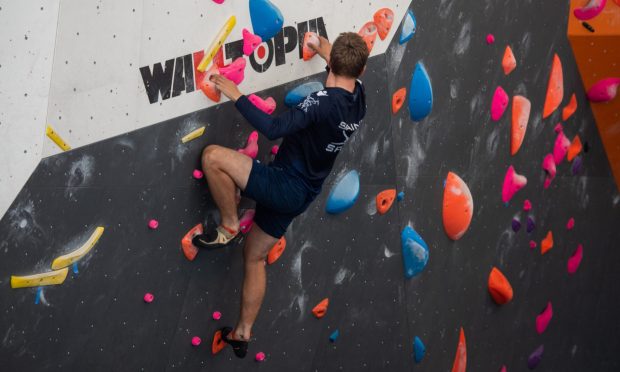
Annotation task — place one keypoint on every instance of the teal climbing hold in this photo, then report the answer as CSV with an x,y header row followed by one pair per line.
x,y
415,252
344,193
419,350
409,27
298,94
267,19
421,96
334,336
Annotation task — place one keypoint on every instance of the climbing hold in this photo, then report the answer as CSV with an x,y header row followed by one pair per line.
x,y
368,32
251,147
458,207
320,309
246,221
69,258
235,71
490,39
534,359
384,18
549,167
217,44
259,357
513,182
398,99
575,260
400,196
51,134
275,149
420,94
415,252
384,200
153,224
268,106
531,225
250,42
604,90
460,358
576,168
543,319
344,193
509,63
189,250
38,280
499,103
555,88
334,336
197,174
276,251
193,135
527,205
520,116
547,243
503,369
570,224
409,27
590,10
218,1
560,149
516,225
419,350
575,148
217,315
148,298
267,20
559,128
208,87
308,51
218,343
569,109
533,244
196,341
298,94
499,287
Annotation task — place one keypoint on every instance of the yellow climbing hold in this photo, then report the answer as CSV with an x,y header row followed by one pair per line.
x,y
49,131
217,43
69,258
193,135
38,280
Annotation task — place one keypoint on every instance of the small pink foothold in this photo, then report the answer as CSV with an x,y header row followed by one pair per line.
x,y
148,298
543,319
246,221
570,224
250,42
275,149
196,340
575,260
251,148
558,128
499,103
604,90
268,105
533,244
260,357
549,167
527,205
490,39
503,369
197,174
153,224
513,182
218,1
217,315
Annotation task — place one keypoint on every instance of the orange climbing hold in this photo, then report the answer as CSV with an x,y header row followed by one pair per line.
x,y
307,51
575,148
499,287
321,309
276,251
384,200
520,116
398,99
569,109
218,343
189,250
460,359
383,19
208,87
555,88
458,207
368,32
547,243
509,63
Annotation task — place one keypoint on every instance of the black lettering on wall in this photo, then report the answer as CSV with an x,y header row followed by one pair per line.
x,y
263,67
321,26
159,82
234,50
178,86
281,47
188,64
312,26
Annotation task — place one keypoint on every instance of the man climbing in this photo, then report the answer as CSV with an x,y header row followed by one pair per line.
x,y
313,134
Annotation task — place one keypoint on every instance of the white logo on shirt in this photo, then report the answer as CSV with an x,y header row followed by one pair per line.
x,y
309,101
321,93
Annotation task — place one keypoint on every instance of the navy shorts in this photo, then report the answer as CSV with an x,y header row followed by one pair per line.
x,y
280,197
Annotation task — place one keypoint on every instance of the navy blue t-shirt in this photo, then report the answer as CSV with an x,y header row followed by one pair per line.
x,y
314,131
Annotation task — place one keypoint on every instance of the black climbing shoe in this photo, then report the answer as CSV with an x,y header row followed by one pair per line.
x,y
216,238
240,348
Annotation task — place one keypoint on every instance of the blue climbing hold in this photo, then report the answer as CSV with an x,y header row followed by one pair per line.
x,y
409,27
267,19
421,96
37,297
334,336
418,349
344,193
415,252
400,196
298,94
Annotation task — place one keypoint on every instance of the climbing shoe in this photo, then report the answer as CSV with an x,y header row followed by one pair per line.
x,y
219,237
240,348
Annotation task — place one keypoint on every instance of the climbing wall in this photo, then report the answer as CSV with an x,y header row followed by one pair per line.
x,y
456,263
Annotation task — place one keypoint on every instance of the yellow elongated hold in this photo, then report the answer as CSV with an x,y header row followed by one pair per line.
x,y
49,131
69,258
38,280
193,135
217,43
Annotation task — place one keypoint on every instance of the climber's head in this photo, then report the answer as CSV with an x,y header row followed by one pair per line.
x,y
349,55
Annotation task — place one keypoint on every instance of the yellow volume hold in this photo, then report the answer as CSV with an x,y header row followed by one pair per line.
x,y
38,280
217,43
193,135
69,258
56,138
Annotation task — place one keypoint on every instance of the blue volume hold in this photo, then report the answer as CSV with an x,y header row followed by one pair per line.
x,y
344,193
334,336
419,350
409,27
298,94
415,252
421,96
267,19
400,196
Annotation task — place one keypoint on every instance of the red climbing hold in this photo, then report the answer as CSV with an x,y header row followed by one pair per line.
x,y
575,260
398,99
208,87
275,149
250,42
197,174
509,63
189,250
251,147
460,358
368,32
218,343
513,182
148,298
560,149
320,310
570,224
490,39
259,357
153,224
235,71
569,109
383,19
575,148
549,167
547,243
503,369
217,315
268,106
196,341
458,207
527,205
543,319
246,221
276,251
555,88
499,103
520,116
499,287
308,52
533,244
384,200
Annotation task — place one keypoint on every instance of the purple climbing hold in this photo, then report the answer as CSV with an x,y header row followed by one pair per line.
x,y
534,359
516,225
576,167
267,19
531,225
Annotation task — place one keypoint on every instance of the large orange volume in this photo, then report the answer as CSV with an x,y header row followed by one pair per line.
x,y
460,359
458,207
499,287
520,116
555,88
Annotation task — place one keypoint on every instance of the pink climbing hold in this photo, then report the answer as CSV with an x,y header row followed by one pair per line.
x,y
558,128
246,221
268,106
549,167
196,340
490,39
260,356
219,1
275,149
250,42
503,369
533,244
527,205
153,224
197,174
148,298
590,10
543,319
251,148
499,103
560,149
235,71
604,90
570,224
217,315
513,182
575,260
